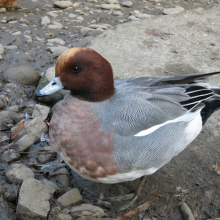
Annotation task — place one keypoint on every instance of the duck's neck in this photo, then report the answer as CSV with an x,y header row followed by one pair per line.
x,y
97,95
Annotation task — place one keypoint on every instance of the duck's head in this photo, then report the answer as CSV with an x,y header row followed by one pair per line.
x,y
83,71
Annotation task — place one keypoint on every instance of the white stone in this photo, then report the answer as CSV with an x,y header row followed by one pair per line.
x,y
3,21
56,41
17,173
113,2
80,18
52,14
118,13
55,25
111,6
28,39
76,4
11,47
85,30
63,4
72,16
13,22
93,1
33,201
133,18
70,198
1,49
95,26
45,20
40,111
127,3
2,10
57,50
173,11
142,15
136,12
16,33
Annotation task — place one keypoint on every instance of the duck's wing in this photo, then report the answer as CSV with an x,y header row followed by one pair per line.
x,y
140,107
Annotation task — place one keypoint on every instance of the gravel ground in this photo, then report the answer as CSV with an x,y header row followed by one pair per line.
x,y
39,185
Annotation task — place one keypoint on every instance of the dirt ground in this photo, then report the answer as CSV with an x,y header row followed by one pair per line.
x,y
192,176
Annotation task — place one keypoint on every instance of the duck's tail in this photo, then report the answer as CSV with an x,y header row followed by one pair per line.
x,y
198,92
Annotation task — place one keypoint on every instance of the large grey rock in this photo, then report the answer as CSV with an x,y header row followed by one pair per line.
x,y
70,198
33,201
46,78
144,52
22,74
17,173
30,133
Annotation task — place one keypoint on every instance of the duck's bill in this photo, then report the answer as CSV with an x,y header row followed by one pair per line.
x,y
52,87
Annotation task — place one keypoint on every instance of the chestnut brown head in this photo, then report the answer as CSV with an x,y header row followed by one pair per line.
x,y
86,73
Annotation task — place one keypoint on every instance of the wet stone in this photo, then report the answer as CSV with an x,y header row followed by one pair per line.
x,y
34,199
22,74
11,192
10,155
17,173
70,198
87,210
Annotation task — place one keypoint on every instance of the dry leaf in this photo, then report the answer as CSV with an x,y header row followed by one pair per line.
x,y
17,130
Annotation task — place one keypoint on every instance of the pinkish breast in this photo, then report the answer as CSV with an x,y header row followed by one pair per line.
x,y
75,133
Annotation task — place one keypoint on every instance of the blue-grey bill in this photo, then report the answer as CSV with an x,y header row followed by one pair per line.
x,y
53,86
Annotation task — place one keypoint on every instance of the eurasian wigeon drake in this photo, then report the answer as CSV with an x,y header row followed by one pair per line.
x,y
113,131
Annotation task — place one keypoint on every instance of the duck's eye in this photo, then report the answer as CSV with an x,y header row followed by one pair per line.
x,y
76,69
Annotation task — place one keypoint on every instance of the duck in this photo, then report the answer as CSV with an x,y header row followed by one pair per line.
x,y
111,131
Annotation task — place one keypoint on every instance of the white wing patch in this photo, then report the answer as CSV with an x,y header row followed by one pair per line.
x,y
188,117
